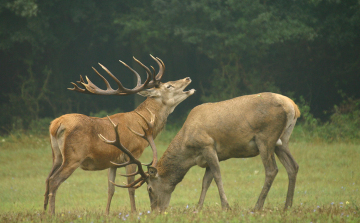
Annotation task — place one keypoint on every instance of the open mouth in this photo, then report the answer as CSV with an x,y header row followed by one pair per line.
x,y
190,92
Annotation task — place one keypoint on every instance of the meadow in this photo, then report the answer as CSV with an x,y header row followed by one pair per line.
x,y
327,188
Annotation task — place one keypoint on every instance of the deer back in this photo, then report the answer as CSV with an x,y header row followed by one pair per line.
x,y
233,124
79,136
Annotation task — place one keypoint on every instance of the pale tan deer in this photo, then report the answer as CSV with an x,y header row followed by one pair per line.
x,y
74,137
242,127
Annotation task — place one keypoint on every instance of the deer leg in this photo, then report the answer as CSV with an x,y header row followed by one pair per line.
x,y
212,160
111,187
56,179
291,167
208,177
271,170
56,164
131,169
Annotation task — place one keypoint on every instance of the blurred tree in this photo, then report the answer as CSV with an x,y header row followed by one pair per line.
x,y
237,35
319,68
55,35
229,48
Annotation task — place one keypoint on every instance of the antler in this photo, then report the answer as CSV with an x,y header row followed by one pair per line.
x,y
152,80
148,135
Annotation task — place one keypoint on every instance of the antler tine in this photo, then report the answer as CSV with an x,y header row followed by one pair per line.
x,y
136,133
161,68
77,88
148,164
148,131
136,73
136,184
139,184
130,175
117,140
153,73
148,134
113,124
106,140
127,163
120,164
81,79
148,72
121,88
140,86
163,65
103,78
117,143
152,118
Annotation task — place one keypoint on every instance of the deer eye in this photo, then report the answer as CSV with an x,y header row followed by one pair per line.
x,y
150,189
170,86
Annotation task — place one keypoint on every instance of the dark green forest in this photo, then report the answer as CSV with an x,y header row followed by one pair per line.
x,y
305,49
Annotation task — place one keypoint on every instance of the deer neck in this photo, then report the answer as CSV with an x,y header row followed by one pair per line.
x,y
160,110
175,163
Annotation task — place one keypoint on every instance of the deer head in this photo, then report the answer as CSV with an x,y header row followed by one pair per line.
x,y
159,191
170,94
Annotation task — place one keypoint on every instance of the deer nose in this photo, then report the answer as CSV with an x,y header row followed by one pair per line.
x,y
188,79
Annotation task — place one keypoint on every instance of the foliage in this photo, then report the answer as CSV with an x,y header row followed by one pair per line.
x,y
23,8
307,119
227,83
26,107
39,127
237,36
343,125
229,48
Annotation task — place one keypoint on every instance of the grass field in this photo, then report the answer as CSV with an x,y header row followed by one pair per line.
x,y
327,188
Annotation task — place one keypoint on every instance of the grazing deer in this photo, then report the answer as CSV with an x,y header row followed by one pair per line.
x,y
238,128
74,137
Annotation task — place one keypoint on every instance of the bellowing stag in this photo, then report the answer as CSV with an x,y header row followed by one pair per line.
x,y
74,137
242,127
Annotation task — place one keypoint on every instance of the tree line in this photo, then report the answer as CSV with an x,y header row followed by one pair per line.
x,y
308,50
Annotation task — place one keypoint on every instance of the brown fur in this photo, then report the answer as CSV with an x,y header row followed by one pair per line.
x,y
54,126
297,111
241,127
75,142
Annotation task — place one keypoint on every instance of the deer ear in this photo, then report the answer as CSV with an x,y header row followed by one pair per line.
x,y
152,171
149,93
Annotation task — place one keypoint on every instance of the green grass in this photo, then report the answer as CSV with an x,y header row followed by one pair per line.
x,y
327,188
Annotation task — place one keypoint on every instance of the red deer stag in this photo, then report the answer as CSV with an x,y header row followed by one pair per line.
x,y
238,128
74,137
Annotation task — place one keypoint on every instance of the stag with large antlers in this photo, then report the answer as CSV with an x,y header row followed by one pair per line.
x,y
242,127
74,137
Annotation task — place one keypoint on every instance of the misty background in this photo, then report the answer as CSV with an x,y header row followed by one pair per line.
x,y
307,50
